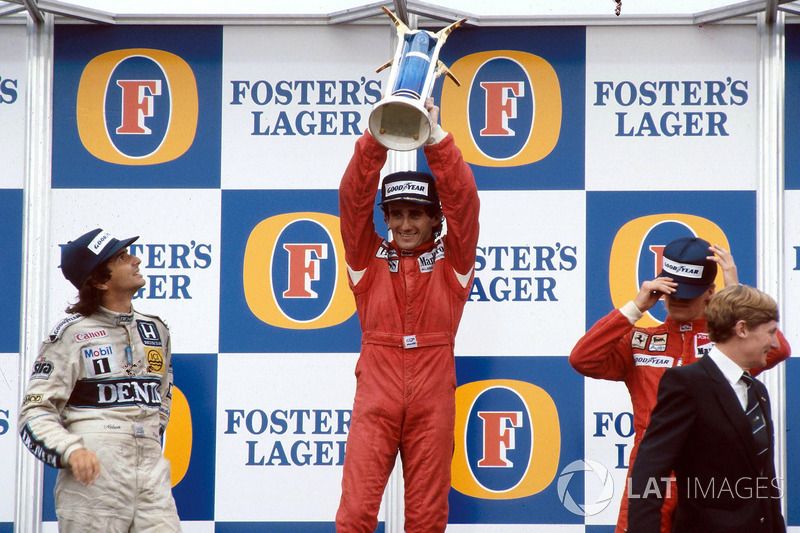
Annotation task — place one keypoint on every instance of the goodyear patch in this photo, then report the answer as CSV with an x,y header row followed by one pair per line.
x,y
658,361
62,325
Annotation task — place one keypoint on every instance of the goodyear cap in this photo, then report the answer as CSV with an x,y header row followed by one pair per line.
x,y
81,256
684,260
417,187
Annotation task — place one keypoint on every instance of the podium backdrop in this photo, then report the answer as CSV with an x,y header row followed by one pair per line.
x,y
222,146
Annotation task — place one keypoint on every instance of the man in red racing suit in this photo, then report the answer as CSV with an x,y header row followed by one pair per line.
x,y
410,293
617,350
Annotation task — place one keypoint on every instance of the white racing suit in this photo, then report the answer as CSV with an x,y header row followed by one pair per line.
x,y
103,382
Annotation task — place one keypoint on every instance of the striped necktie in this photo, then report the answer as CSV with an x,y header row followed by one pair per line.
x,y
755,415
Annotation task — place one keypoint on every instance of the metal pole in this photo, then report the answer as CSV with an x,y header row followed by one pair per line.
x,y
770,205
394,497
35,248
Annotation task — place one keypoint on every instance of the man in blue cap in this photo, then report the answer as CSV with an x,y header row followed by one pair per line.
x,y
98,399
615,349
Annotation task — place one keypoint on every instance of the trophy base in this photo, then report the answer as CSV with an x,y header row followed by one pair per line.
x,y
400,123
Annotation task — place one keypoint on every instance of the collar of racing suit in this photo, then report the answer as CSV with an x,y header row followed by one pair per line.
x,y
421,249
694,326
113,318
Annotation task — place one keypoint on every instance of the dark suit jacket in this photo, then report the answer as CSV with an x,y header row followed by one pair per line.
x,y
698,429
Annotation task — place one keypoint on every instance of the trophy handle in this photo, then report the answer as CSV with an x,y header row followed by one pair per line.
x,y
441,68
402,29
444,32
384,66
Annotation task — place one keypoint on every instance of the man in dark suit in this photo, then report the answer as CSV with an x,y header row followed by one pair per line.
x,y
712,427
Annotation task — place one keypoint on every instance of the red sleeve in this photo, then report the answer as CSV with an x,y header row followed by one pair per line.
x,y
604,352
776,355
459,196
357,192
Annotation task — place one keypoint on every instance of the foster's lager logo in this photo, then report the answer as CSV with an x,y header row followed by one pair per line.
x,y
294,273
137,106
508,439
637,255
507,111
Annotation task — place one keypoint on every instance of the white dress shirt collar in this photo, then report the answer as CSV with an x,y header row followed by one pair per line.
x,y
732,372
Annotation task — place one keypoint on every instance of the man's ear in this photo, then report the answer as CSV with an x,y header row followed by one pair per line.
x,y
708,294
740,329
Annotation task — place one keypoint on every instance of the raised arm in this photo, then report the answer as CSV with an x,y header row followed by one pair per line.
x,y
357,192
460,204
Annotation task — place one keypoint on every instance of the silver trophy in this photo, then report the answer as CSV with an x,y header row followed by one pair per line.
x,y
399,121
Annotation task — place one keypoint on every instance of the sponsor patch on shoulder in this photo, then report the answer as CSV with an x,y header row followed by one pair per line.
x,y
42,368
659,361
658,343
639,340
59,328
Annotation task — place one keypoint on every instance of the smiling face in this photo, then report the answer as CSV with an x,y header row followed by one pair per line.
x,y
755,342
410,224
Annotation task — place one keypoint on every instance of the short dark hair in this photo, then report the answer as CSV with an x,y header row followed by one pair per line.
x,y
735,303
89,296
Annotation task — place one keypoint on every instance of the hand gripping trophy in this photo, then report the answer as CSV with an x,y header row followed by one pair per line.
x,y
399,121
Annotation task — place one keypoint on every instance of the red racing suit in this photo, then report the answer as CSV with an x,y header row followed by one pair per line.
x,y
409,306
614,349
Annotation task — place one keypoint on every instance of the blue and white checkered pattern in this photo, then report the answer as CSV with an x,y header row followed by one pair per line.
x,y
223,147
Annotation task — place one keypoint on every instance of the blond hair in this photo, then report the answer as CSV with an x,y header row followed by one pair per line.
x,y
735,303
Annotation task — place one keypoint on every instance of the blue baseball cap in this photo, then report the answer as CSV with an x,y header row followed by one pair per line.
x,y
81,256
684,260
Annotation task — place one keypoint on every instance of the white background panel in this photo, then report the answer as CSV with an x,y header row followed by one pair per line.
x,y
9,379
683,54
534,226
790,323
295,54
180,265
13,73
607,422
270,382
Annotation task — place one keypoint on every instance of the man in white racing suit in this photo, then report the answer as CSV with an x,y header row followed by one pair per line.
x,y
98,398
